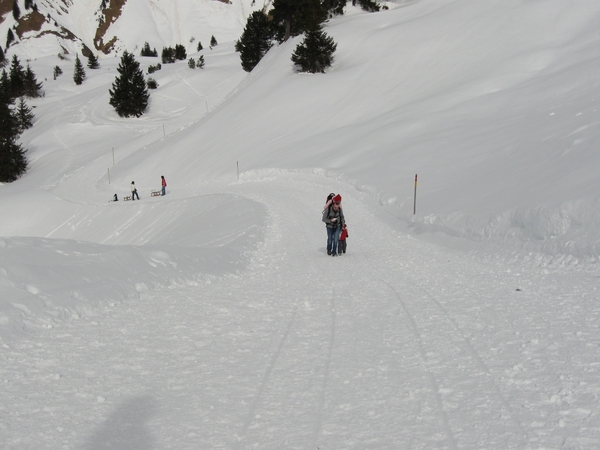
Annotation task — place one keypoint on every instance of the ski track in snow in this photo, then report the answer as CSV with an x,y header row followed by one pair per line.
x,y
300,351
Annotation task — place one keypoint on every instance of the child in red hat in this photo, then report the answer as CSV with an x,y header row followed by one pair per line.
x,y
343,237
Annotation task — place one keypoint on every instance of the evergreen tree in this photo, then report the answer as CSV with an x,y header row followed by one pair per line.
x,y
255,41
334,7
213,41
12,156
152,69
315,53
10,37
93,62
79,73
16,11
57,72
200,63
192,63
129,94
180,52
17,78
24,115
147,51
31,87
152,84
199,46
283,13
367,5
168,55
3,60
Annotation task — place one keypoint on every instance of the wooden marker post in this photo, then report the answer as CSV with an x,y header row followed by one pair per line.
x,y
415,201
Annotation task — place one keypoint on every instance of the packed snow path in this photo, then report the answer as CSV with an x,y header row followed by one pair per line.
x,y
397,344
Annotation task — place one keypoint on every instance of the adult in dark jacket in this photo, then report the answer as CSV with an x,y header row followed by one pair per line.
x,y
333,216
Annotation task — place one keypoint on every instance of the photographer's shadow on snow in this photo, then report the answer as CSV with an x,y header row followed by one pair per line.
x,y
126,427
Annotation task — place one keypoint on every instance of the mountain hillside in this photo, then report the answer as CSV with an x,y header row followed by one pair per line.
x,y
111,26
214,317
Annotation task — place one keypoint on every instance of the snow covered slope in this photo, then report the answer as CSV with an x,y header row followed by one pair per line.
x,y
212,317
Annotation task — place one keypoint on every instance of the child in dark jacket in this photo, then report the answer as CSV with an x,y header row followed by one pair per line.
x,y
343,237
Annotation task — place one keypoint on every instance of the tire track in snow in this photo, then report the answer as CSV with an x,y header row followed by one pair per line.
x,y
265,379
518,430
423,355
318,419
478,360
432,380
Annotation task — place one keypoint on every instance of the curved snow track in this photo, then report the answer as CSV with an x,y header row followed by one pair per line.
x,y
388,346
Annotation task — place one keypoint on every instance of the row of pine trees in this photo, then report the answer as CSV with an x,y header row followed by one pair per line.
x,y
289,18
15,116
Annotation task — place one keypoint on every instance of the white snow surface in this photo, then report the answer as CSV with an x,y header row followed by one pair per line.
x,y
212,317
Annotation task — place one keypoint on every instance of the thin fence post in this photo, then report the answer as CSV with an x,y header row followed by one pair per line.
x,y
415,201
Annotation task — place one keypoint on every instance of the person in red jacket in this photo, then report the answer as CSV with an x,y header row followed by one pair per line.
x,y
164,185
343,237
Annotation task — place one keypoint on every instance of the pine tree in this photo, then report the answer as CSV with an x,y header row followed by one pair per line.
x,y
129,94
255,41
93,62
24,115
315,53
200,63
79,73
57,72
152,84
367,5
334,7
17,78
10,37
180,52
192,63
213,41
3,60
283,13
16,11
12,156
199,46
146,51
31,87
168,55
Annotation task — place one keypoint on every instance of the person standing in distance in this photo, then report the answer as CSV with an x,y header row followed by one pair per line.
x,y
134,191
164,185
333,216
